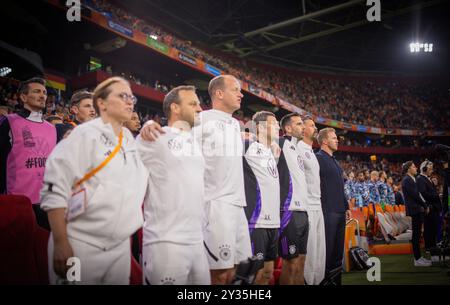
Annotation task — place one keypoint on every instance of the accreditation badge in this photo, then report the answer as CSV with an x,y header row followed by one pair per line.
x,y
77,204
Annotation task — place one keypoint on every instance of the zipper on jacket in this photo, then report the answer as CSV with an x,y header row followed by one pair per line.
x,y
124,155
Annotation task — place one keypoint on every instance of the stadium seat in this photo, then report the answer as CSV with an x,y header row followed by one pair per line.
x,y
393,223
350,241
275,280
365,211
359,215
385,227
136,277
351,204
23,244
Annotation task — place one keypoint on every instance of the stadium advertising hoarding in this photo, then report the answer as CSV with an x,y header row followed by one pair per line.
x,y
375,130
334,123
183,57
214,71
158,46
390,131
439,133
407,132
320,119
361,128
347,126
120,28
254,89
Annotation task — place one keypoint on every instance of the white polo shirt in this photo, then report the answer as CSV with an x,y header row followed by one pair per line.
x,y
291,167
220,138
312,172
262,187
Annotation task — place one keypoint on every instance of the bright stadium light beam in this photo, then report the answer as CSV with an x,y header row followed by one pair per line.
x,y
5,71
418,47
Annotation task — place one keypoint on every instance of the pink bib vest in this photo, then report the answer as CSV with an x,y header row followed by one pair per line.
x,y
32,143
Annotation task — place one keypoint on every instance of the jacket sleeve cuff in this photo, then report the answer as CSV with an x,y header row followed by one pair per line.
x,y
53,201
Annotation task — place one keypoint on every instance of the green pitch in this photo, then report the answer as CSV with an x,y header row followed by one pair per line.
x,y
400,270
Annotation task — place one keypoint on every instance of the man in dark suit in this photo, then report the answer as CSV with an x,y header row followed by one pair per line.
x,y
416,208
334,204
431,196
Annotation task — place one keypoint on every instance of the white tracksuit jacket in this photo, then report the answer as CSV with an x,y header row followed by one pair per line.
x,y
114,195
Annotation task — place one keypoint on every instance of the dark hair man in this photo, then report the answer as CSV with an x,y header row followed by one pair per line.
x,y
82,107
26,141
262,192
294,228
416,208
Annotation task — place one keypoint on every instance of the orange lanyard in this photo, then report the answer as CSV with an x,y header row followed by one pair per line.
x,y
103,164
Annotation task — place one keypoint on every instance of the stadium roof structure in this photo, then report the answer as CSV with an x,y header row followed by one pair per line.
x,y
311,34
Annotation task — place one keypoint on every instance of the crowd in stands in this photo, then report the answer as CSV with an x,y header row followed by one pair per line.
x,y
58,104
371,103
363,140
363,102
58,107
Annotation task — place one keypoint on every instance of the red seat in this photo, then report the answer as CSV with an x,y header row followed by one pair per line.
x,y
278,263
136,277
136,272
23,244
275,280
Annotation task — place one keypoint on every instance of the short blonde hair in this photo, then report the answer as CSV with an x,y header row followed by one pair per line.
x,y
103,90
323,134
218,83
